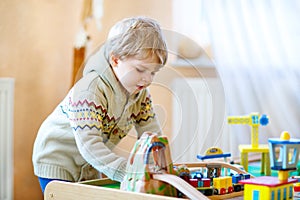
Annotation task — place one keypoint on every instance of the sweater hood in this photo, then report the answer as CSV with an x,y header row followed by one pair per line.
x,y
98,63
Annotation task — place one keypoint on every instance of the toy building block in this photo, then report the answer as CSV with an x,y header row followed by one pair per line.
x,y
268,188
285,161
281,187
297,190
265,159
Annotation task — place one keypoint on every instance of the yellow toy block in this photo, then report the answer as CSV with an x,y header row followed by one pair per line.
x,y
268,188
265,161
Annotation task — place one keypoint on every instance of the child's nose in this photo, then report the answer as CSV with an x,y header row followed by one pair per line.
x,y
148,77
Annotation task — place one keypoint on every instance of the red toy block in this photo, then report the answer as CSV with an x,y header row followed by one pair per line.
x,y
206,182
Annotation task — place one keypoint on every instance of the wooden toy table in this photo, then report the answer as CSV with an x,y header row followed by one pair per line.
x,y
96,189
109,190
59,190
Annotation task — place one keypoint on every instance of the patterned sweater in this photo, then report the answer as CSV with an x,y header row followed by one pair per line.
x,y
74,143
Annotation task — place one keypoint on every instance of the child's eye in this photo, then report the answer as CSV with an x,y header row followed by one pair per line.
x,y
140,70
154,72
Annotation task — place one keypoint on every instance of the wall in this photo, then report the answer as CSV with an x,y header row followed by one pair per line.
x,y
36,49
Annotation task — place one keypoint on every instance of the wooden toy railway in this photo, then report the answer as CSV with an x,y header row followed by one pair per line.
x,y
95,189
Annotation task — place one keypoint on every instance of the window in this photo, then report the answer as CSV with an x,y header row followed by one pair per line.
x,y
255,194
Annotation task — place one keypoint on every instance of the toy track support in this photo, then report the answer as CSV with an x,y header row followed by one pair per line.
x,y
181,185
205,164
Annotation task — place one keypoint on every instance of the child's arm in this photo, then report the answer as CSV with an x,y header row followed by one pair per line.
x,y
88,117
146,119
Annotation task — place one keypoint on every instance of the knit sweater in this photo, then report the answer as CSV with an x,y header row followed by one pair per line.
x,y
75,141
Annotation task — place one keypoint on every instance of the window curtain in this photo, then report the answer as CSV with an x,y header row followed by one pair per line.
x,y
256,47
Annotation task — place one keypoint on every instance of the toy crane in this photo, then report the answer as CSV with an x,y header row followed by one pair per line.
x,y
253,120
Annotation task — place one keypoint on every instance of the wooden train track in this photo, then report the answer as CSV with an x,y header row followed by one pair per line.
x,y
192,192
215,163
181,185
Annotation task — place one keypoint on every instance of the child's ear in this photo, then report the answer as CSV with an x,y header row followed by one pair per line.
x,y
114,60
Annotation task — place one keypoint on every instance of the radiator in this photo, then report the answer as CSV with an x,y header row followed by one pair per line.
x,y
195,125
6,138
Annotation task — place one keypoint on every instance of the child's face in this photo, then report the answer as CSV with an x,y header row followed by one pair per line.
x,y
135,74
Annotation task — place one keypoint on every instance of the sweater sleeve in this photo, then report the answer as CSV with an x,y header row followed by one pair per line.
x,y
87,114
146,119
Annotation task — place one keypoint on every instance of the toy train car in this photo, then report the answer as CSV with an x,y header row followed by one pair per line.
x,y
223,185
208,180
218,185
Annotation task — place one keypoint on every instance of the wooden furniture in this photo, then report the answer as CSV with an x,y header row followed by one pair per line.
x,y
58,190
78,60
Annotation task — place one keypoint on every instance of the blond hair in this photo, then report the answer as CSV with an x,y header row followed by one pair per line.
x,y
140,37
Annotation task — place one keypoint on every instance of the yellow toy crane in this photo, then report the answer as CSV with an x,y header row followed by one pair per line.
x,y
253,120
